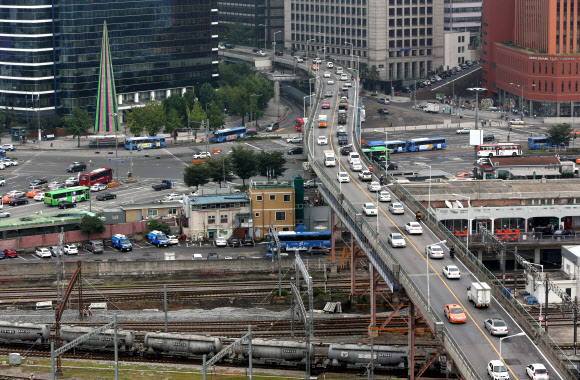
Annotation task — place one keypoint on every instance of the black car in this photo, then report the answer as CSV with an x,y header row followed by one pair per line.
x,y
318,250
235,242
488,138
17,201
564,233
106,197
248,241
76,167
391,166
345,150
279,52
383,111
66,204
37,182
229,46
255,50
297,150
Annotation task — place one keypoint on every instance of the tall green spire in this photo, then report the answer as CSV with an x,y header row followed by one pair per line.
x,y
106,97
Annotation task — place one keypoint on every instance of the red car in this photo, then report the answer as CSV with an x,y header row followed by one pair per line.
x,y
325,104
9,252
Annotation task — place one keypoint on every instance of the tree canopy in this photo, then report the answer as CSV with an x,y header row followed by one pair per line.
x,y
245,163
197,175
559,133
271,164
77,124
221,169
92,225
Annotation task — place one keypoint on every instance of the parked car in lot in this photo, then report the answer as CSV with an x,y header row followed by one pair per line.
x,y
234,242
221,242
248,241
66,204
294,140
297,150
10,252
43,253
17,202
106,197
213,256
70,249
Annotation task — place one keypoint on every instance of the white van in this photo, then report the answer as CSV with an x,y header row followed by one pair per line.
x,y
329,158
353,156
197,256
343,76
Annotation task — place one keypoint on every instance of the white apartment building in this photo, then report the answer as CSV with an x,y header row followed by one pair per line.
x,y
456,49
463,15
402,38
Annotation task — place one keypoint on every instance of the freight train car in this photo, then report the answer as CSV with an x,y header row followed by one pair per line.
x,y
24,332
356,355
103,341
275,352
159,344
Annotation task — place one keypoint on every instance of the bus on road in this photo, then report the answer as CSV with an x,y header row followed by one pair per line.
x,y
426,143
291,240
72,194
138,143
541,142
499,150
397,146
102,175
229,134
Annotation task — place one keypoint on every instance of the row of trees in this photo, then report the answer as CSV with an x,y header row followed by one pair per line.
x,y
241,163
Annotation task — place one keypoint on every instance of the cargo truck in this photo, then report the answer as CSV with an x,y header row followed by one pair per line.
x,y
479,293
322,119
329,158
121,242
431,107
343,105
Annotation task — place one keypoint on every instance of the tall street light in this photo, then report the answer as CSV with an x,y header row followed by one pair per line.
x,y
542,275
275,40
506,337
115,115
522,98
308,47
265,39
468,217
429,203
427,273
477,90
347,44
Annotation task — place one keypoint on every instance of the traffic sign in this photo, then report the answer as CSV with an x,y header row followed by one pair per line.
x,y
540,318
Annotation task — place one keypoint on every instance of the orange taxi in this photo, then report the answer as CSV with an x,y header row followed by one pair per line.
x,y
575,133
315,67
32,193
7,198
455,313
463,175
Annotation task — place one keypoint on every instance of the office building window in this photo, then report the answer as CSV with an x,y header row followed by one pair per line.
x,y
223,218
259,198
152,212
287,197
211,219
272,197
280,215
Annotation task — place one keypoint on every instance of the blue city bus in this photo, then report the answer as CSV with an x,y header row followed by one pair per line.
x,y
541,142
426,143
229,134
2,154
291,240
397,146
374,144
138,143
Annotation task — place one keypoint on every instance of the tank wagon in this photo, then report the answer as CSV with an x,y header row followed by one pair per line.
x,y
103,341
158,344
275,352
356,355
24,332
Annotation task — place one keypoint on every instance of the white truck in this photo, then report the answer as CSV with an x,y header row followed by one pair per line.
x,y
329,158
479,293
431,107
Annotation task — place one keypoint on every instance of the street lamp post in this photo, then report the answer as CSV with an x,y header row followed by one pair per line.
x,y
542,276
251,95
115,115
522,98
348,43
506,337
427,273
308,47
477,90
275,40
429,202
468,216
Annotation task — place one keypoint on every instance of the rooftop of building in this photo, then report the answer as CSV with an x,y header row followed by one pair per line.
x,y
43,218
219,198
523,161
147,205
271,185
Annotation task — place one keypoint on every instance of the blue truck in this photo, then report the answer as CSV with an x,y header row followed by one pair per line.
x,y
158,238
121,242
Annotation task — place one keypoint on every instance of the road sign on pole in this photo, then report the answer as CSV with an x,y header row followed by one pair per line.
x,y
540,318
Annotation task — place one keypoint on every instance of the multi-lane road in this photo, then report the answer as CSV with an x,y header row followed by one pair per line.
x,y
477,344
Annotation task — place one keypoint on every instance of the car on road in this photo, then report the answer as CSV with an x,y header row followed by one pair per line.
x,y
329,65
248,241
2,181
390,166
279,53
463,131
7,198
537,371
489,137
365,175
330,82
383,111
342,177
213,256
343,76
310,184
173,197
322,140
328,94
297,150
315,67
17,202
317,250
221,242
32,193
66,204
326,74
516,122
8,162
4,214
496,326
384,196
71,181
345,150
294,140
76,166
201,155
106,197
7,147
43,253
451,271
414,228
16,194
55,186
70,249
564,233
99,187
325,104
497,371
396,208
261,53
374,186
384,101
369,209
10,252
234,242
356,166
454,313
347,84
39,197
434,251
395,239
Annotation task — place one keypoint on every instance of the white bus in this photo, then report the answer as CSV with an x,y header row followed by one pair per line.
x,y
499,150
329,158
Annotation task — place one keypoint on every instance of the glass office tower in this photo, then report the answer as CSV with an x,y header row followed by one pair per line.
x,y
49,50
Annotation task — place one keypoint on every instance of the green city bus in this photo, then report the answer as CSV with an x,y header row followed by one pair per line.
x,y
72,194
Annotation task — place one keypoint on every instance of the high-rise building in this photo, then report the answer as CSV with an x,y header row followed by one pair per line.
x,y
402,38
530,55
264,17
50,50
463,16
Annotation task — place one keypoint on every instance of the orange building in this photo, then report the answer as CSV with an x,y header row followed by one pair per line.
x,y
530,55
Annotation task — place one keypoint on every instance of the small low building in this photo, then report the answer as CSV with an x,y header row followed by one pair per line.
x,y
521,168
166,210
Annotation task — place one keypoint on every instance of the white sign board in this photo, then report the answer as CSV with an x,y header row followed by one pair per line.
x,y
169,255
476,137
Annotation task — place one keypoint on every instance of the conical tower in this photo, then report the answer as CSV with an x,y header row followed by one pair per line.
x,y
105,122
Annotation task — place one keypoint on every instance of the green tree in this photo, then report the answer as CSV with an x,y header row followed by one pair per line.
x,y
175,102
92,225
173,122
216,117
158,225
196,117
271,164
11,117
77,124
154,117
245,163
239,34
233,75
206,93
2,119
197,175
559,133
221,169
136,120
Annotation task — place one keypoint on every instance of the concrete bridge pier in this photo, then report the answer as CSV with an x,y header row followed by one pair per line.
x,y
277,92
